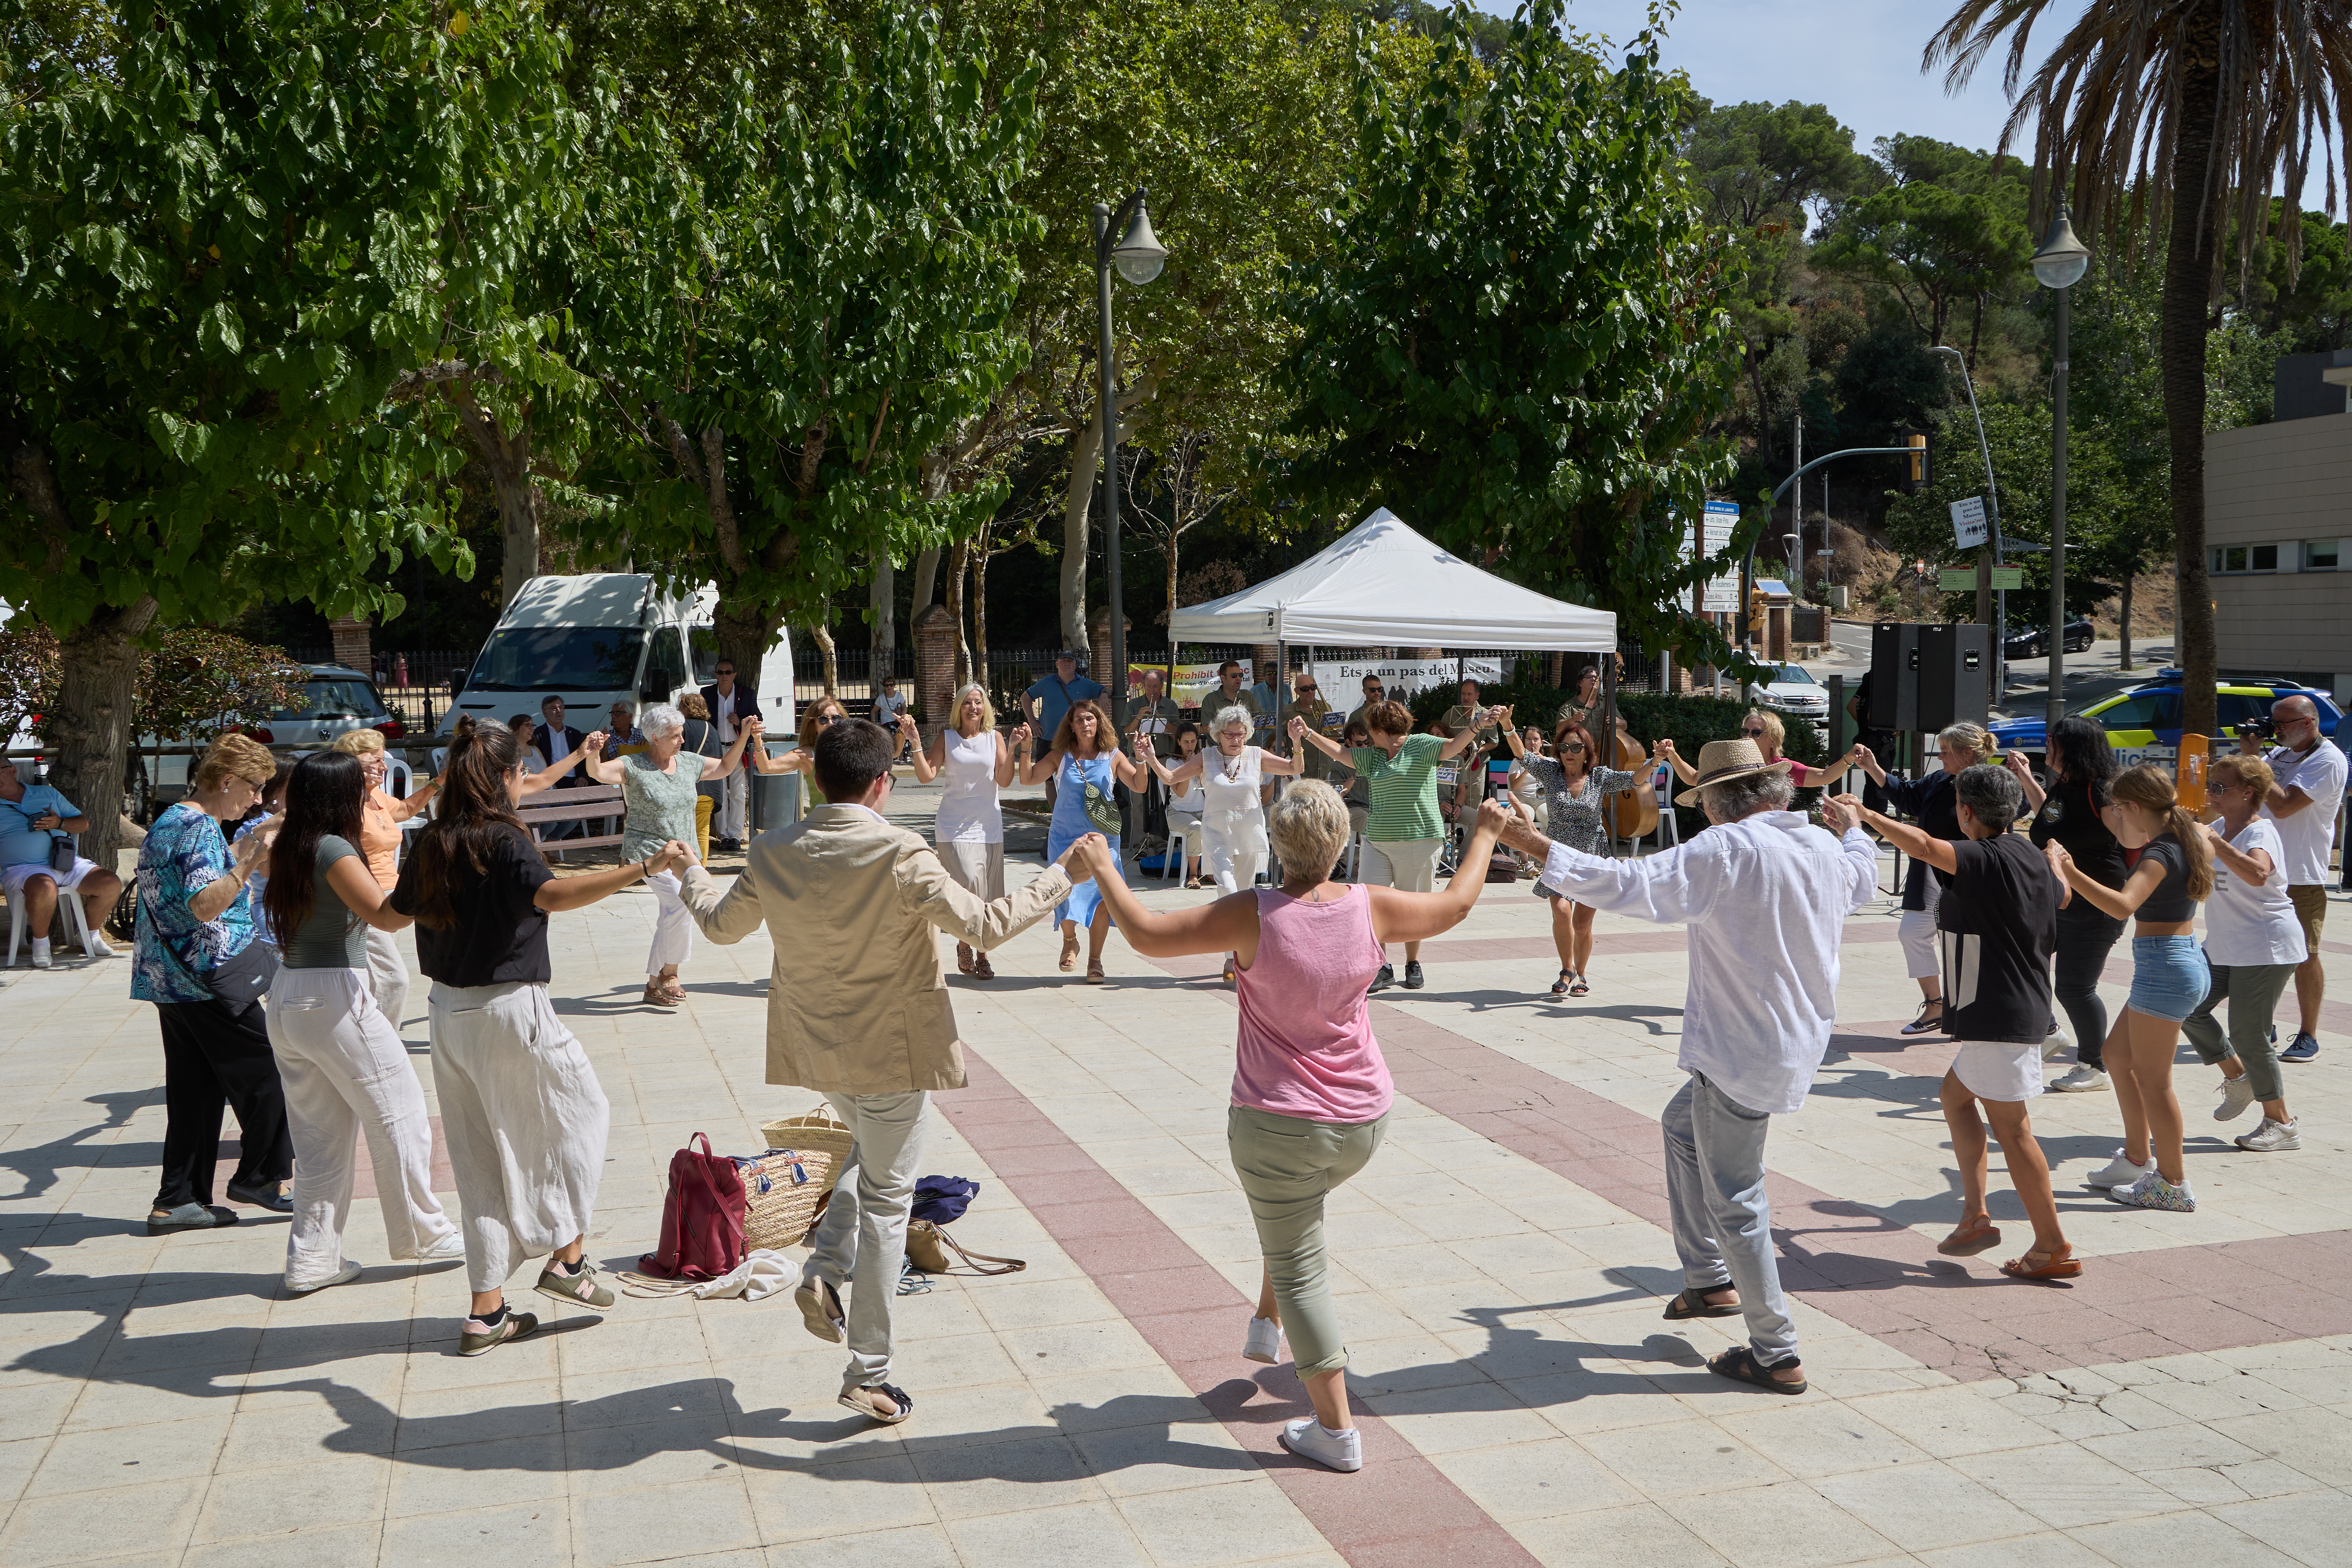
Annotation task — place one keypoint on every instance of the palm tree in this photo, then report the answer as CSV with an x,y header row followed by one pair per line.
x,y
2177,116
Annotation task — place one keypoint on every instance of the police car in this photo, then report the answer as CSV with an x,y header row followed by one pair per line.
x,y
2143,724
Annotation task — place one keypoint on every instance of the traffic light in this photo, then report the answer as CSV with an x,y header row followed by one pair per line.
x,y
1914,467
1756,602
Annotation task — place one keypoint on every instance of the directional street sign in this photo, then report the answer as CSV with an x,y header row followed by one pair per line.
x,y
2010,577
1957,580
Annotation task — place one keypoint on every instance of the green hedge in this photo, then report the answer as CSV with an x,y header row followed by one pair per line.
x,y
1689,722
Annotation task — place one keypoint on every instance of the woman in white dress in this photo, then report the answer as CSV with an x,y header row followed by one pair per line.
x,y
976,763
1233,817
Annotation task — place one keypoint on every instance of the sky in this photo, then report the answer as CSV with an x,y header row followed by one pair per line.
x,y
1861,58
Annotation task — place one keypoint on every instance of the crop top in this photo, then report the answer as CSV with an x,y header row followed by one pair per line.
x,y
2170,901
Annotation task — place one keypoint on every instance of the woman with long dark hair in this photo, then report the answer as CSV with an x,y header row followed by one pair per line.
x,y
520,1107
2171,873
2082,766
1084,752
345,1072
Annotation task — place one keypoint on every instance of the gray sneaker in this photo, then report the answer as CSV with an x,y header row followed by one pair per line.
x,y
2272,1138
2080,1080
2119,1171
579,1289
2237,1099
475,1339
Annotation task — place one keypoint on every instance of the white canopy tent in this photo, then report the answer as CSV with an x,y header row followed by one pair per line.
x,y
1383,583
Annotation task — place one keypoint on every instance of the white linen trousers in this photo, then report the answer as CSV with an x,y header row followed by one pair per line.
x,y
388,975
347,1075
673,924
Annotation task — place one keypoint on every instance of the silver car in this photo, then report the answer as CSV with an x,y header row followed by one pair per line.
x,y
334,699
1792,691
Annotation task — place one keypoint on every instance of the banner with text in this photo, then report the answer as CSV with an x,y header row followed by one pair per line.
x,y
1343,680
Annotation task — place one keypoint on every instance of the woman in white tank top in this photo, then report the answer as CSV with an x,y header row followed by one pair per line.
x,y
975,763
1233,819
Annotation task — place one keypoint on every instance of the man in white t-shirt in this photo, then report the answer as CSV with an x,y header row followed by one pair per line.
x,y
2310,770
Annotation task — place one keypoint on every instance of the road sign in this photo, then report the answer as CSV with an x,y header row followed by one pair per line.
x,y
1957,580
1720,595
1968,524
2010,577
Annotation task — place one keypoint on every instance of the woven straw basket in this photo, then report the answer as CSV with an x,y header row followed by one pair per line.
x,y
785,1188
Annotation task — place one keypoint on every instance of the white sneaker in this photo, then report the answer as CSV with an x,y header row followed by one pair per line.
x,y
450,1246
2079,1080
342,1276
1311,1439
2055,1044
2153,1192
2119,1171
41,959
1265,1341
2272,1137
2237,1095
98,947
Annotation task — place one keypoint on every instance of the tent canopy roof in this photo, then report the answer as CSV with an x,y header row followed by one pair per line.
x,y
1383,583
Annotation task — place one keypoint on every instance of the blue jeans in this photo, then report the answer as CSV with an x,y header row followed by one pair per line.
x,y
1722,1220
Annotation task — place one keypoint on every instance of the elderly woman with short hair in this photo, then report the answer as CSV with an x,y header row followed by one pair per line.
x,y
379,845
972,753
1233,819
657,785
1311,1093
193,925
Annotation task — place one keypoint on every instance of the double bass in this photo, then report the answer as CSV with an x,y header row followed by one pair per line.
x,y
1632,812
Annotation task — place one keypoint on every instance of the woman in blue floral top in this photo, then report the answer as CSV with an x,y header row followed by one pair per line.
x,y
195,915
1578,792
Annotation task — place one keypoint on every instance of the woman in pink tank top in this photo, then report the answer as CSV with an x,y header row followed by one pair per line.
x,y
1310,1091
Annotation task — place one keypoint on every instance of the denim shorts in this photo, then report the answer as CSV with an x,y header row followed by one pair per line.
x,y
2168,977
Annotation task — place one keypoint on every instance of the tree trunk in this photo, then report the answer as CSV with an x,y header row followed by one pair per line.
x,y
820,634
979,611
91,728
508,457
743,637
926,581
884,602
2189,271
2123,632
958,558
1077,506
1171,598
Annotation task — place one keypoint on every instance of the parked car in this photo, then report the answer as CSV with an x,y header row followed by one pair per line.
x,y
1794,691
334,699
2032,642
2143,723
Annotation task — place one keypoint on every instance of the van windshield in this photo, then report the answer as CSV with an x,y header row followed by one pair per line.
x,y
559,659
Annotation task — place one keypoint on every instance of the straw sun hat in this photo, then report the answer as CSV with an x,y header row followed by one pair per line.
x,y
1722,760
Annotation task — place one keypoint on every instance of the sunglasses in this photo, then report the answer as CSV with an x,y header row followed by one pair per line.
x,y
1577,746
832,717
1310,686
1757,731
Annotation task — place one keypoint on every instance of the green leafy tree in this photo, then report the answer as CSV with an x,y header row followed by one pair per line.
x,y
217,251
790,304
1518,329
1948,231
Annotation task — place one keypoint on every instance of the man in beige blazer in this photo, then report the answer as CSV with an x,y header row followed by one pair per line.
x,y
858,1009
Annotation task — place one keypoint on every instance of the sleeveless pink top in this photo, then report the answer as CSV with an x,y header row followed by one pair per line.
x,y
1305,1047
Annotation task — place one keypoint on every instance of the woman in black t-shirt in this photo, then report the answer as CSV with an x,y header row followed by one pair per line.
x,y
2082,765
520,1109
2172,872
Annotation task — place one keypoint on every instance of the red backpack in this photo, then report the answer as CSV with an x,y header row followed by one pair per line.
x,y
702,1217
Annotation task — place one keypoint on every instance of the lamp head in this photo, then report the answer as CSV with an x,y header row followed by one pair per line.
x,y
1138,254
2062,258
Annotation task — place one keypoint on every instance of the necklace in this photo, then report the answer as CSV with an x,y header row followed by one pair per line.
x,y
1232,766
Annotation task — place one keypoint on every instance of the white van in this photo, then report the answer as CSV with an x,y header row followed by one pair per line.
x,y
601,637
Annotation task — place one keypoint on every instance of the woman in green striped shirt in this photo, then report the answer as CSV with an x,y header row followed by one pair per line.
x,y
1406,829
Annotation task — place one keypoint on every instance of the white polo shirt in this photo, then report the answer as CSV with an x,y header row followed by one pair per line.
x,y
2307,834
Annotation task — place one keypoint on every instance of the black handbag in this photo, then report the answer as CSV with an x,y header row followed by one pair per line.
x,y
241,980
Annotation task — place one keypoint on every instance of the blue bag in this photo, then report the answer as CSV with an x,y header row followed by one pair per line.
x,y
941,1199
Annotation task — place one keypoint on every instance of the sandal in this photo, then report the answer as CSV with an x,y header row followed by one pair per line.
x,y
1923,1024
1094,975
673,991
981,968
1695,1304
2060,1265
1739,1364
1070,958
1970,1240
963,958
1560,986
862,1401
657,997
1582,986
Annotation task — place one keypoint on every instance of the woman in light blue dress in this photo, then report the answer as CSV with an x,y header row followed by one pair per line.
x,y
1085,752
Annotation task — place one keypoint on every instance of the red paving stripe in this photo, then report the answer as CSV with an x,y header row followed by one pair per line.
x,y
1403,1510
1884,1278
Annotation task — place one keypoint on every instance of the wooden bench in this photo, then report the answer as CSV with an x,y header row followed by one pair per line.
x,y
581,804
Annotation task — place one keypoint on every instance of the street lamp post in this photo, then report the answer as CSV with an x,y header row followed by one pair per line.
x,y
1139,256
1993,517
2059,265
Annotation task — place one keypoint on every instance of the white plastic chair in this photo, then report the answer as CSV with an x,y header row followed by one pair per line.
x,y
77,923
1670,828
1179,842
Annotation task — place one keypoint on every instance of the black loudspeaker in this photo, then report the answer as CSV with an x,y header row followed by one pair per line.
x,y
1955,674
1894,675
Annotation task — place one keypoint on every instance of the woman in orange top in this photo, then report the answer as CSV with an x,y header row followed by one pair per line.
x,y
380,821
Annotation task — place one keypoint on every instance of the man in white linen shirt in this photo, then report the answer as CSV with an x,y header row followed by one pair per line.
x,y
2310,771
1765,894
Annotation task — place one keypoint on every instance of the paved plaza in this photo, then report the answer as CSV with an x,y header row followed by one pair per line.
x,y
1503,1265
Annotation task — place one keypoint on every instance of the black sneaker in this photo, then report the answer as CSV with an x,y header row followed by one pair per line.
x,y
1383,979
1414,979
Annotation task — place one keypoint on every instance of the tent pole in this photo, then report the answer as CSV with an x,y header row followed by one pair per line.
x,y
1606,741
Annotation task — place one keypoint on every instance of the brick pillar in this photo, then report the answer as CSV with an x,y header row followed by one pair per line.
x,y
1776,632
934,633
352,650
1099,642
